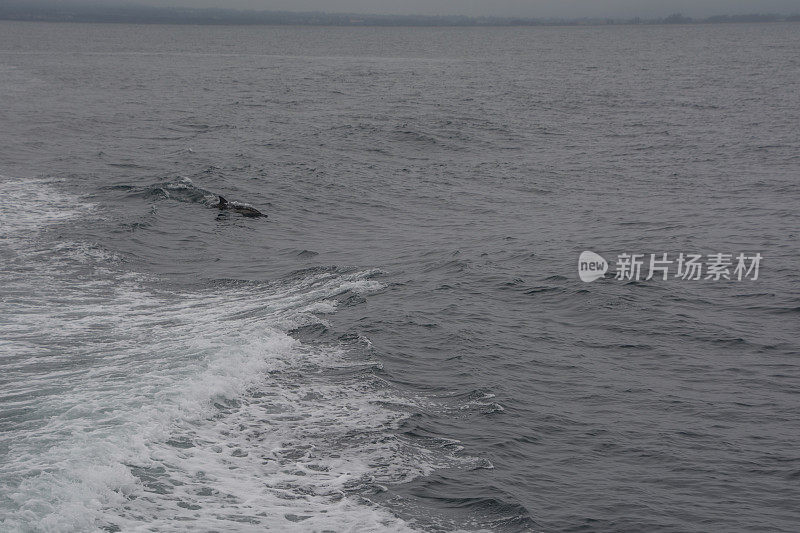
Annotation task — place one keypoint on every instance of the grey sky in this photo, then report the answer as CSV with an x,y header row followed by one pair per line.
x,y
527,8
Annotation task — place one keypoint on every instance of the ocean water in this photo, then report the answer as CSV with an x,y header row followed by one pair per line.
x,y
404,343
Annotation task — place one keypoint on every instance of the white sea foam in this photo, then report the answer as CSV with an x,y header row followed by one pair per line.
x,y
282,443
133,406
323,307
30,205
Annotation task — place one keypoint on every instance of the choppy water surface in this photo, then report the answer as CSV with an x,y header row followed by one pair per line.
x,y
404,343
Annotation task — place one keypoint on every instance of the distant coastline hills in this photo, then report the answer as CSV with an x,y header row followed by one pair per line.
x,y
132,14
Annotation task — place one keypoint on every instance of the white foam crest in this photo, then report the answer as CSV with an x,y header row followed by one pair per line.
x,y
145,408
29,205
288,454
324,307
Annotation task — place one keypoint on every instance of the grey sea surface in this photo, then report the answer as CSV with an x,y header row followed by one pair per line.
x,y
404,343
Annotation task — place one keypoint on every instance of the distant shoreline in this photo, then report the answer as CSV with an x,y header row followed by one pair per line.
x,y
45,12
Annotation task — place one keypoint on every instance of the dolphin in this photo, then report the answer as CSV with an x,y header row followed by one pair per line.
x,y
236,207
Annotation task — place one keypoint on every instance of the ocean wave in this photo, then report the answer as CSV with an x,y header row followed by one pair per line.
x,y
30,205
132,405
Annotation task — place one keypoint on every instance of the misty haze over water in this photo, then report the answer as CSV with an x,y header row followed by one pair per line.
x,y
543,9
164,13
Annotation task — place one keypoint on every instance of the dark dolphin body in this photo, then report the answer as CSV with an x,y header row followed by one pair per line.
x,y
244,210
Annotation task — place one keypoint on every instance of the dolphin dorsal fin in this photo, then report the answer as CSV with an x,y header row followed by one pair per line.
x,y
222,201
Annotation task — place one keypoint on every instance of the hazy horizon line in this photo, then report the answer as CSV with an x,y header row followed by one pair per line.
x,y
87,12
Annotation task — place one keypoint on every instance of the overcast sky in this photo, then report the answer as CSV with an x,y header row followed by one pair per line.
x,y
525,8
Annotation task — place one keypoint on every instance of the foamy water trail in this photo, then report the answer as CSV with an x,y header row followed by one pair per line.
x,y
129,405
